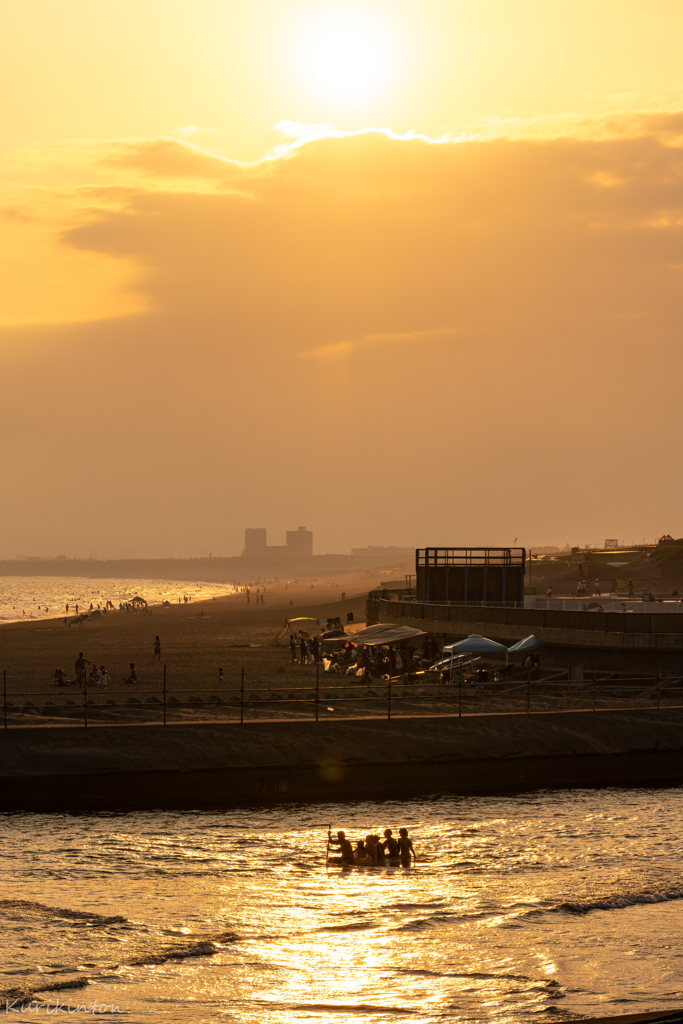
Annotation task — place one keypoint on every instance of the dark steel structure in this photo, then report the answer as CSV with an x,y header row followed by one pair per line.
x,y
471,575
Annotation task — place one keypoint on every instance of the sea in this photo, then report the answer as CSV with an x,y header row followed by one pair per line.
x,y
549,906
46,597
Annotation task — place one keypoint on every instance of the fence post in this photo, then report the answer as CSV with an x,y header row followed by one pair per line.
x,y
4,694
389,702
659,679
528,693
164,695
85,704
242,699
317,687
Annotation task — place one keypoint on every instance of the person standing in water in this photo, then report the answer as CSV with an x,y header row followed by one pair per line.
x,y
345,848
390,845
405,848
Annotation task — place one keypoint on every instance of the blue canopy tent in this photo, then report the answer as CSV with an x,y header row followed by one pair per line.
x,y
476,644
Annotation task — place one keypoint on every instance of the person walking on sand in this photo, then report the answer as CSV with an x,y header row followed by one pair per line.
x,y
302,651
80,664
157,649
221,677
405,848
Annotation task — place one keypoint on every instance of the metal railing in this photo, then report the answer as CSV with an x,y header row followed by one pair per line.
x,y
408,696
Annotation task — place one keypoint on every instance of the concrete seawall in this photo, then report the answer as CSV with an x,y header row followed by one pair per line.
x,y
222,765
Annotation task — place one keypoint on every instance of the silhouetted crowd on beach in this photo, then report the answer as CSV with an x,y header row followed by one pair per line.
x,y
364,661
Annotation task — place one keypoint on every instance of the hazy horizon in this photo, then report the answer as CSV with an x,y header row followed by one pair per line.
x,y
408,274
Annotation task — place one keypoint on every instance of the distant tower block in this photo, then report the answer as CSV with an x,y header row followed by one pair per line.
x,y
255,541
300,542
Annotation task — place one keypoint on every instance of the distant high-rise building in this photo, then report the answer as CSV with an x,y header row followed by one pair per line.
x,y
300,542
255,542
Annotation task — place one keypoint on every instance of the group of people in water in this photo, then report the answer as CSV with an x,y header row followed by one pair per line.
x,y
373,851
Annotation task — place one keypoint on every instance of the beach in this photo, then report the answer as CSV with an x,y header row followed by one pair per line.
x,y
197,638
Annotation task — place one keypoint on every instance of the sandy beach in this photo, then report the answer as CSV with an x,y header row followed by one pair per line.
x,y
196,639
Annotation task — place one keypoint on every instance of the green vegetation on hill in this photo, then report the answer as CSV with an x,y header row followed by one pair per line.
x,y
669,557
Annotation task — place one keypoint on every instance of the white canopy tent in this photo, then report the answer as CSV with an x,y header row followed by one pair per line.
x,y
383,634
529,643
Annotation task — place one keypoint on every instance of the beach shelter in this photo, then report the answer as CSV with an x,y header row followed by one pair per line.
x,y
383,634
96,614
292,625
529,643
476,644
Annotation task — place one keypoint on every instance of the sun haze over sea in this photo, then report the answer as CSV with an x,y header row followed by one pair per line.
x,y
321,257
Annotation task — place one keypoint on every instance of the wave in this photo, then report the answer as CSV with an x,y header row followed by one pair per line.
x,y
350,1008
24,995
205,947
74,915
616,902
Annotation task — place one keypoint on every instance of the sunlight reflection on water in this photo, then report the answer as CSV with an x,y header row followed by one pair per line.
x,y
548,904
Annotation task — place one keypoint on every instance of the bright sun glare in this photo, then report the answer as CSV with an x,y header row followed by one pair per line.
x,y
345,57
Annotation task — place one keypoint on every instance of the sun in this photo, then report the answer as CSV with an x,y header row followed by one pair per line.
x,y
345,57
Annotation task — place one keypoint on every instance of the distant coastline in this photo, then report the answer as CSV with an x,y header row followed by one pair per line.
x,y
209,570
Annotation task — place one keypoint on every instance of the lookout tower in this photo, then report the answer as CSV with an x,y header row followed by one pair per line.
x,y
471,575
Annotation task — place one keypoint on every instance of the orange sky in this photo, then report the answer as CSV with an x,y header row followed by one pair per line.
x,y
402,272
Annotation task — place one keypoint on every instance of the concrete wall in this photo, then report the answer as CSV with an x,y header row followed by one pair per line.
x,y
48,769
646,653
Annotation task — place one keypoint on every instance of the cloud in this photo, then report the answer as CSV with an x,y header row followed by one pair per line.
x,y
347,348
168,158
190,130
527,293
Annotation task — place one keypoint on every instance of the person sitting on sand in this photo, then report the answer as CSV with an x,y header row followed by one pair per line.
x,y
405,848
104,679
59,679
345,848
94,675
132,676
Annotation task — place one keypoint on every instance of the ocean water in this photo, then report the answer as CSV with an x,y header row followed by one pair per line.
x,y
541,907
46,597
